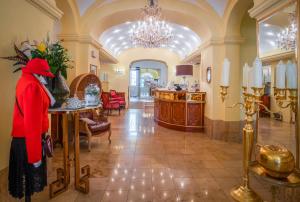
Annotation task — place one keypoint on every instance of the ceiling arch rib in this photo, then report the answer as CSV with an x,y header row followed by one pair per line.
x,y
117,39
101,9
219,6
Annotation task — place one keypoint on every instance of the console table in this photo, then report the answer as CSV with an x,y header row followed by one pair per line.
x,y
63,174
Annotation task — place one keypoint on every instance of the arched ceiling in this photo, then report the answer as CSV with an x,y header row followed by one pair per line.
x,y
218,5
204,18
117,39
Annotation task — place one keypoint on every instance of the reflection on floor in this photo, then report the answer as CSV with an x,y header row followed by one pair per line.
x,y
277,132
138,103
146,162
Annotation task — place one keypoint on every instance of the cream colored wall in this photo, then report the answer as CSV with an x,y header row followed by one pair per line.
x,y
19,21
94,60
80,53
121,82
248,47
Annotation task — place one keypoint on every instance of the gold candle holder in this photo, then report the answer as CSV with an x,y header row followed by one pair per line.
x,y
257,93
279,94
223,92
293,99
244,192
251,104
244,90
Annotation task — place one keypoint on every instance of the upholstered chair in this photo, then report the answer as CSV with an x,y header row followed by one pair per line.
x,y
93,124
109,104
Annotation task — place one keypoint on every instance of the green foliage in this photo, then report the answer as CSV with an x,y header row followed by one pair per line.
x,y
57,57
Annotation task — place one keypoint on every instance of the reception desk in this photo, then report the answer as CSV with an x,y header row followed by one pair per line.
x,y
179,110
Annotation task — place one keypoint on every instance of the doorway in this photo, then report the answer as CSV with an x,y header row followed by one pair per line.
x,y
145,75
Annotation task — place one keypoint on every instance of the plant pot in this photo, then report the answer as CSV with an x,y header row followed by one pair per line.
x,y
59,89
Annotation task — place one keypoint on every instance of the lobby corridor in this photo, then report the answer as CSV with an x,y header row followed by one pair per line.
x,y
146,162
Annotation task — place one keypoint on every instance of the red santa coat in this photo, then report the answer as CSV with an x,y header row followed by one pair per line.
x,y
34,103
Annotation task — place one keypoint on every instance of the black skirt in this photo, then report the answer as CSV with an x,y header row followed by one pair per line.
x,y
24,178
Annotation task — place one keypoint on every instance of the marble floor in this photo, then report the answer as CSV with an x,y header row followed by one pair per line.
x,y
146,162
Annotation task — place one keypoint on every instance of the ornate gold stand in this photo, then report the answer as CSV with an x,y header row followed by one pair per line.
x,y
244,193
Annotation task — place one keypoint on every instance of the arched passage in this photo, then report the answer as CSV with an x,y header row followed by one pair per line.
x,y
146,74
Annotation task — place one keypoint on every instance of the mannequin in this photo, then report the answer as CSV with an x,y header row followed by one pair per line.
x,y
27,164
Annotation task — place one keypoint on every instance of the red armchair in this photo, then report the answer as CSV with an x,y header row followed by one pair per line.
x,y
118,96
109,104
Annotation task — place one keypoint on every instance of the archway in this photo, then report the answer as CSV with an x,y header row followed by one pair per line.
x,y
145,75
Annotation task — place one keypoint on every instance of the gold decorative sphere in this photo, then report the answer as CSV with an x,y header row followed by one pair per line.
x,y
277,160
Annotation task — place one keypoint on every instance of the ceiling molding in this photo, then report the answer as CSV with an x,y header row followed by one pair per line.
x,y
267,8
81,39
87,39
278,57
213,42
107,58
48,8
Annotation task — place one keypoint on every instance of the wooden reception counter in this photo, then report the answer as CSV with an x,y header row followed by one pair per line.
x,y
179,110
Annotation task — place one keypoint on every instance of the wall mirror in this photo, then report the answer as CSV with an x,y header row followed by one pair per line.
x,y
275,32
276,45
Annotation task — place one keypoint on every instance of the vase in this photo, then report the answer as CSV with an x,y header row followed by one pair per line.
x,y
59,89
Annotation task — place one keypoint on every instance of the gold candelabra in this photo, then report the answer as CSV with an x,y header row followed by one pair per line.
x,y
290,101
223,92
250,105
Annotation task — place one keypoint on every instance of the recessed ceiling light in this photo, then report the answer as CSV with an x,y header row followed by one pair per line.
x,y
127,23
108,40
270,33
272,43
195,39
266,25
188,44
112,46
116,31
186,28
180,36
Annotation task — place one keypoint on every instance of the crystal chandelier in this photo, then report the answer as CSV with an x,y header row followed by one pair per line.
x,y
151,31
286,39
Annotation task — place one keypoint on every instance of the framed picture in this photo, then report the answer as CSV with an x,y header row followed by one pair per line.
x,y
93,69
208,74
93,54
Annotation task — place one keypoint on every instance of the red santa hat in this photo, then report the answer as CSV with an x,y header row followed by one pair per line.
x,y
38,66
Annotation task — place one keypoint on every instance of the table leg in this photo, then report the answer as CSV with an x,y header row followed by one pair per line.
x,y
81,183
63,175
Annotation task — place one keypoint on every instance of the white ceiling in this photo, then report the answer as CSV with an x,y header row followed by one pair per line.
x,y
117,39
218,5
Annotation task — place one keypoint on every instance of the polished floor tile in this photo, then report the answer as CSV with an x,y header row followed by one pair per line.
x,y
146,162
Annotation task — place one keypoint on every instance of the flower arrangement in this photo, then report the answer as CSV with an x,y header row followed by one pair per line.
x,y
92,92
56,55
58,60
92,89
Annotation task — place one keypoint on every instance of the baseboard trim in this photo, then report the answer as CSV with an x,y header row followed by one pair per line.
x,y
230,131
